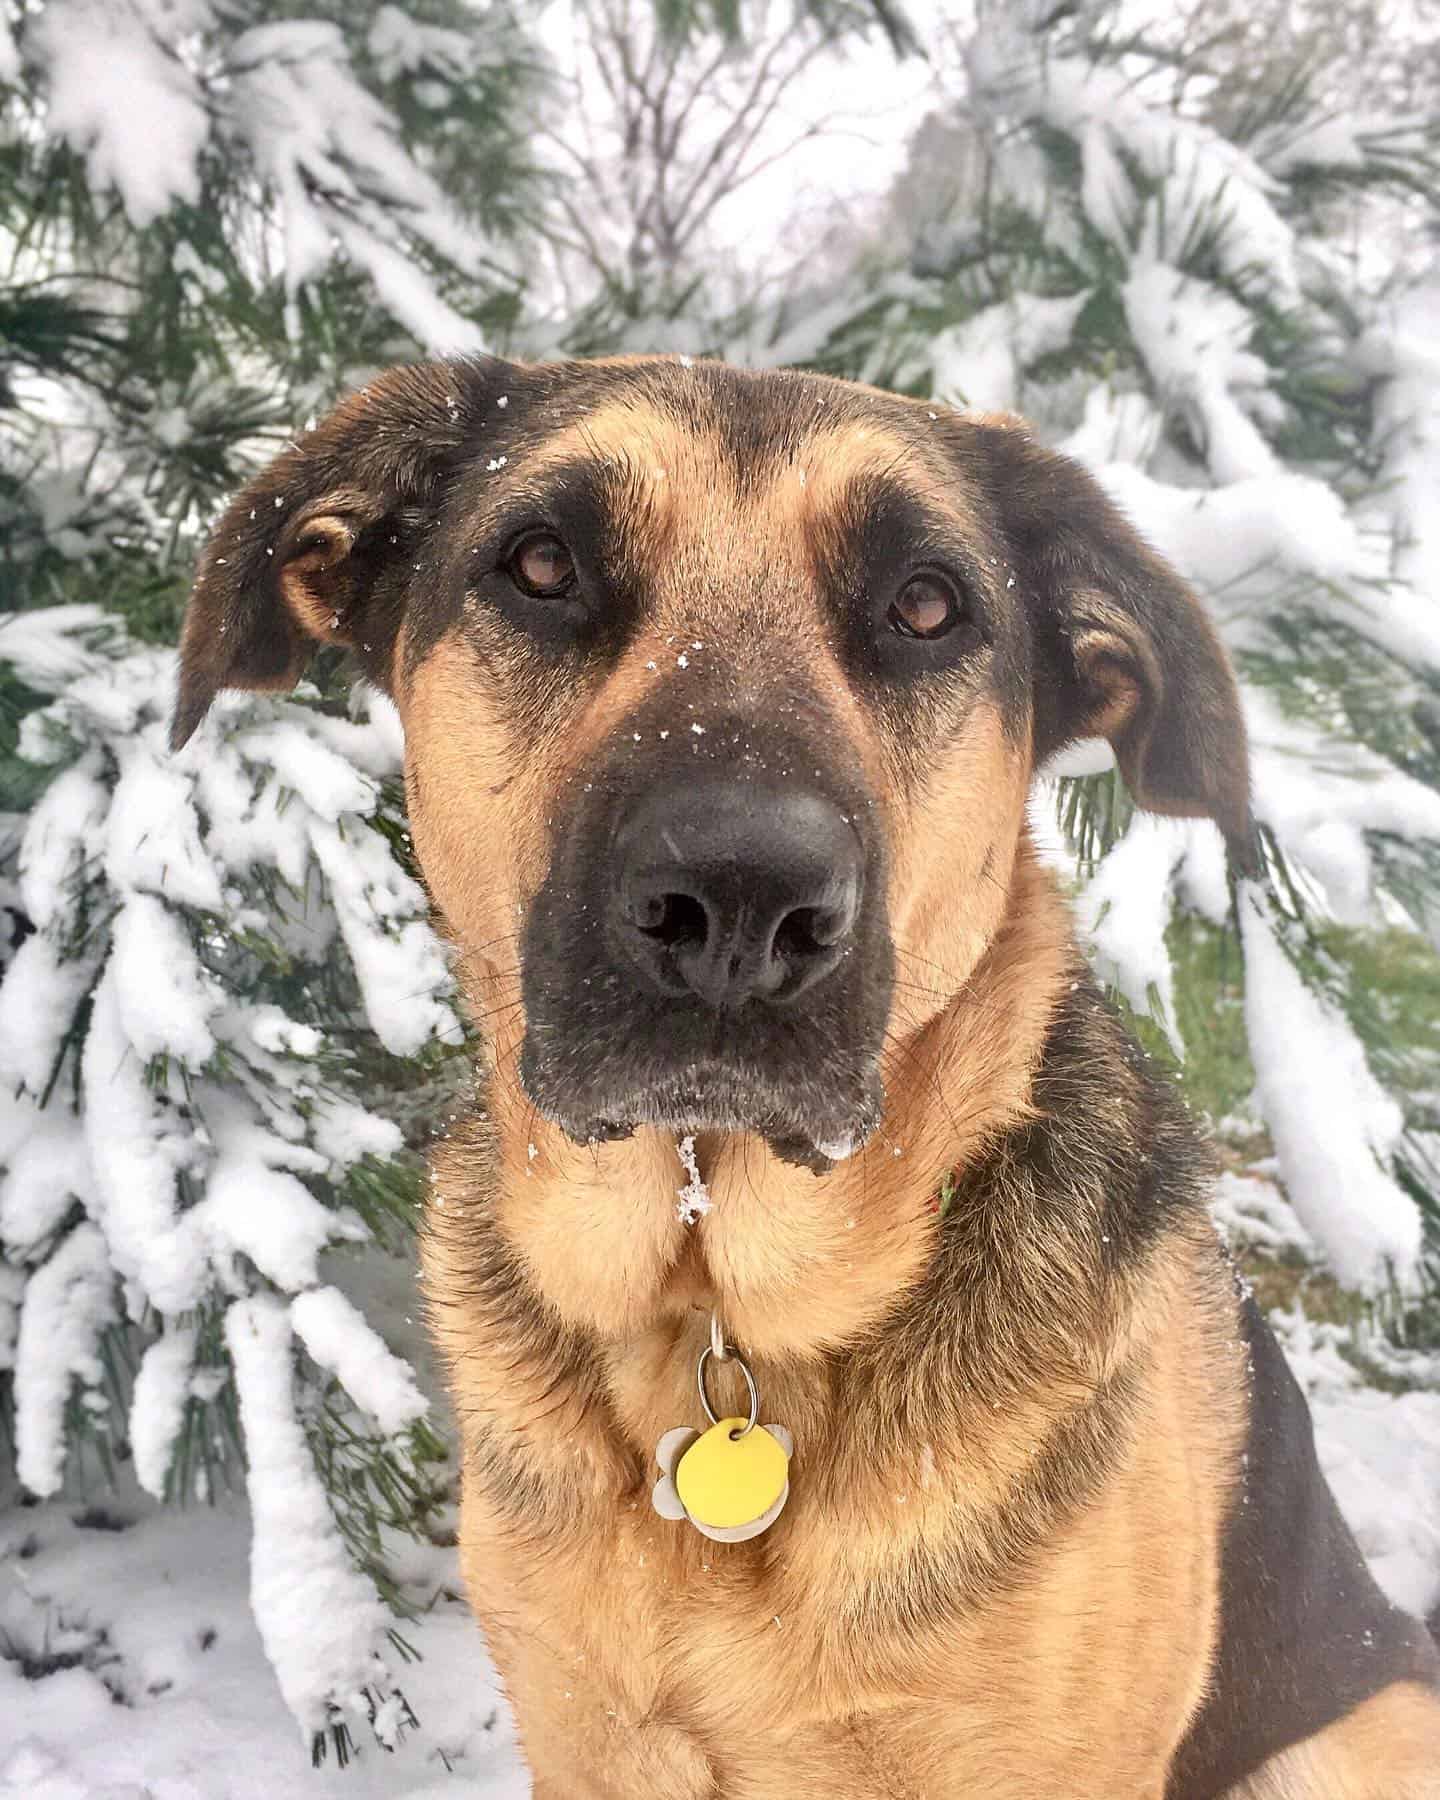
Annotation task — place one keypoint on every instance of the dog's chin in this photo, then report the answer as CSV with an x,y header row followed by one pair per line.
x,y
812,1130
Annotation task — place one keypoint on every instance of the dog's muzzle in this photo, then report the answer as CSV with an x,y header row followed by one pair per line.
x,y
709,950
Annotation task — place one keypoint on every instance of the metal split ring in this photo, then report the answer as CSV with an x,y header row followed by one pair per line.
x,y
724,1352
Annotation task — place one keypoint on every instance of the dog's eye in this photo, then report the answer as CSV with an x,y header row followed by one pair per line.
x,y
540,565
926,607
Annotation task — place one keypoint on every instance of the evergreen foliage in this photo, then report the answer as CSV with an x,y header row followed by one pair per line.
x,y
1166,281
212,222
1186,253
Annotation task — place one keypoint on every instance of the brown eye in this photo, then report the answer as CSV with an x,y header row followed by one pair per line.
x,y
541,565
926,607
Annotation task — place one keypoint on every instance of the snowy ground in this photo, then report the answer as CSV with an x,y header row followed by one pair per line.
x,y
170,1696
165,1692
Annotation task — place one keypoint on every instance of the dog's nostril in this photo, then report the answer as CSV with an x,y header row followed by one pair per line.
x,y
674,920
804,931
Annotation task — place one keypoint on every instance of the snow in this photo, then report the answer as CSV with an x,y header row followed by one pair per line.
x,y
1117,427
1321,794
337,1335
191,1129
320,1619
304,764
1123,914
1380,1451
980,364
137,1148
401,45
59,835
694,1197
164,998
1333,1125
46,1171
1194,337
397,957
1205,179
42,989
329,152
12,1286
343,1132
1401,349
1221,536
157,1406
135,112
143,92
158,1613
48,646
1252,1211
1237,542
281,1036
174,833
152,836
1331,143
409,295
67,1302
255,1210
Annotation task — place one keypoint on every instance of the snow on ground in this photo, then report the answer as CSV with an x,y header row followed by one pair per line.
x,y
168,1694
131,1667
1381,1455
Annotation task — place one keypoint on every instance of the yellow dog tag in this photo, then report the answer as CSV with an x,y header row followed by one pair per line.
x,y
731,1476
730,1483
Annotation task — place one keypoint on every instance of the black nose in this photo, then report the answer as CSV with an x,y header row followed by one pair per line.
x,y
736,890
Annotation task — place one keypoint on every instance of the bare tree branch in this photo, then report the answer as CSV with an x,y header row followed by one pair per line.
x,y
688,126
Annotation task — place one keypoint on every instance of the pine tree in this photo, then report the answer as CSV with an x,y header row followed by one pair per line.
x,y
224,1024
1179,305
216,219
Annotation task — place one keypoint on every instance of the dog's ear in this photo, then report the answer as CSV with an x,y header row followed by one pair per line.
x,y
1125,650
315,549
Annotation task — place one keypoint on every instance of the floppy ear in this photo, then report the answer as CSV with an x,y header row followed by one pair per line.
x,y
316,548
1125,649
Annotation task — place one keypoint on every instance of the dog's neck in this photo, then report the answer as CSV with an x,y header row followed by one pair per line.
x,y
795,1264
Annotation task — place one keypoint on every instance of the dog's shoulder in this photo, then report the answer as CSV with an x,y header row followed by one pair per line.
x,y
1306,1635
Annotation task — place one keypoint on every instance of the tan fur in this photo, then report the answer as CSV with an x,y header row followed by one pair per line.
x,y
663,1660
457,762
646,1661
899,1634
962,835
329,539
643,1659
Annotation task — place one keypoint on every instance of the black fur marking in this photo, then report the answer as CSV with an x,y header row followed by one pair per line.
x,y
496,1292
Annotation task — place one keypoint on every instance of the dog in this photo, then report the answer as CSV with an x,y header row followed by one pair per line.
x,y
722,695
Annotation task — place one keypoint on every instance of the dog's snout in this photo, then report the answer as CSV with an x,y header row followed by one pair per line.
x,y
736,890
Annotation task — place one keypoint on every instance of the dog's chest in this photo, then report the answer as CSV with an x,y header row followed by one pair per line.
x,y
836,1654
683,1670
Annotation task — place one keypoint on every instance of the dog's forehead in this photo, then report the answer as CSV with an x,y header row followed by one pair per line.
x,y
705,472
748,419
731,526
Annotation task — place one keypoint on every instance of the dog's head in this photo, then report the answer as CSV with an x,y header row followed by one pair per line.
x,y
722,692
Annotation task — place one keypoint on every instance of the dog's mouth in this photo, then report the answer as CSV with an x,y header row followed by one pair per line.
x,y
815,1114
